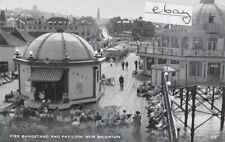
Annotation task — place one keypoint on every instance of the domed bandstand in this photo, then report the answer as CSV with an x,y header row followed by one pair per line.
x,y
60,69
197,54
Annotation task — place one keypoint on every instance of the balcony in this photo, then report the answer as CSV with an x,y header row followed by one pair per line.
x,y
190,82
165,51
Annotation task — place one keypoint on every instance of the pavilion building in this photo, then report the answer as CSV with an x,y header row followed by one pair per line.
x,y
198,51
60,68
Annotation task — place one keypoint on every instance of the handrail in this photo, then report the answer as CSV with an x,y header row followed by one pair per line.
x,y
172,129
191,82
181,52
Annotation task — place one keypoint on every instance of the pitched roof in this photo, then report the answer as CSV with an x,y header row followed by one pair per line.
x,y
21,34
11,40
24,35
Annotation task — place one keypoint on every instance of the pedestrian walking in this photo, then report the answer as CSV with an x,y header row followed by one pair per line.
x,y
111,62
136,64
122,64
126,65
121,80
136,122
98,119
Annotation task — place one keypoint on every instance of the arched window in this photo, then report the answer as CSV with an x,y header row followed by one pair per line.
x,y
174,42
165,41
212,43
185,43
198,43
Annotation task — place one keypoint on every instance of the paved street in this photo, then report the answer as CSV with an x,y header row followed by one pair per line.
x,y
126,99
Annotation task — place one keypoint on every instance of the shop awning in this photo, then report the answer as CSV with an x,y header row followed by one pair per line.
x,y
46,75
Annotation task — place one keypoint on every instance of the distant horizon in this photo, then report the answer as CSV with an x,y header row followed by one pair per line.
x,y
130,9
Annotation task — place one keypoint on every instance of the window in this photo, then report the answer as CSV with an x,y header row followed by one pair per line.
x,y
173,74
162,61
211,18
97,75
198,43
150,62
174,42
195,69
174,62
212,43
185,43
3,67
165,41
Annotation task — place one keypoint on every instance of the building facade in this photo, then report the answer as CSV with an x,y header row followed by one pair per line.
x,y
85,27
198,50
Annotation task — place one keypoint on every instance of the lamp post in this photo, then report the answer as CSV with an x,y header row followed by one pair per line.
x,y
17,54
101,52
66,57
138,46
96,55
31,55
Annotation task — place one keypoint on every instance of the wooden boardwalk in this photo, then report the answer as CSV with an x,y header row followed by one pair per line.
x,y
126,99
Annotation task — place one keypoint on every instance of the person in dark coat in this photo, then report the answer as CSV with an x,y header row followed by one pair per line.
x,y
137,122
136,64
122,64
126,65
121,80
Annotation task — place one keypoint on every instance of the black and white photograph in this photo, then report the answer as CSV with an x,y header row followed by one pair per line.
x,y
112,71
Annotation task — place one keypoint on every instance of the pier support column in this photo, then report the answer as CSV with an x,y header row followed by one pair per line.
x,y
181,98
193,93
222,111
186,108
213,98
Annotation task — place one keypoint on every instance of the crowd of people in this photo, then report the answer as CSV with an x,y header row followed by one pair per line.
x,y
156,114
95,121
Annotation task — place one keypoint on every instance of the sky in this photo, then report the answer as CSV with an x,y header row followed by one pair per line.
x,y
108,8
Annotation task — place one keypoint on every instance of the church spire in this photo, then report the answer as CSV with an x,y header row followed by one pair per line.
x,y
98,13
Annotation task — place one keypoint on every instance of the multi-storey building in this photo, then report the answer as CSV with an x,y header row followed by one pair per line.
x,y
198,50
84,27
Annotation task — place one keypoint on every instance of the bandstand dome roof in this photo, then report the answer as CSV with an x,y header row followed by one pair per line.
x,y
206,8
57,46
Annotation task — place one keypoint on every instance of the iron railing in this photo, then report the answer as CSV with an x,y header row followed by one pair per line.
x,y
181,52
172,129
191,82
